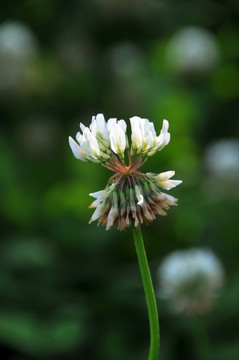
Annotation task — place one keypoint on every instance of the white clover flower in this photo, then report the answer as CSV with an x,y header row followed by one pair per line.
x,y
193,49
18,47
130,197
17,41
190,280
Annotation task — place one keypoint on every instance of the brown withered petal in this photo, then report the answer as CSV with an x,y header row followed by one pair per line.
x,y
122,209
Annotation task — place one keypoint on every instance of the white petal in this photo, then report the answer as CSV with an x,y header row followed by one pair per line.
x,y
76,149
93,126
117,139
139,196
82,127
172,200
84,143
98,125
151,129
123,125
176,182
163,139
164,182
96,214
111,217
136,132
165,175
99,194
111,122
159,141
169,184
100,120
145,128
91,142
141,200
95,203
79,137
165,133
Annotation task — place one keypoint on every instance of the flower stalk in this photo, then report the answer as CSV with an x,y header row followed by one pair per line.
x,y
149,294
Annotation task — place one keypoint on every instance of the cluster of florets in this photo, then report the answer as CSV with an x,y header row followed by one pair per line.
x,y
190,280
97,142
130,195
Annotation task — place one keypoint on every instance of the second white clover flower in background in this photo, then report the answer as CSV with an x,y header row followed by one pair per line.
x,y
190,280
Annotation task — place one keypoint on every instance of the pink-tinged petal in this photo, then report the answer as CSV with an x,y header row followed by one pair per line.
x,y
95,204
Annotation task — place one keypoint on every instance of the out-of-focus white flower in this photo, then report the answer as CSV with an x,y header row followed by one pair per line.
x,y
193,49
190,280
17,40
222,163
18,47
130,197
144,138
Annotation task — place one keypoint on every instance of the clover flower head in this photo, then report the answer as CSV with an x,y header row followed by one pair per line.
x,y
190,280
130,197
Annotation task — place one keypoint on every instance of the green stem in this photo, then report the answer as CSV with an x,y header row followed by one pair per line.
x,y
149,294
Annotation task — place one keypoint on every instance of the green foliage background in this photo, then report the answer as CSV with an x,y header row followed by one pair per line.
x,y
69,290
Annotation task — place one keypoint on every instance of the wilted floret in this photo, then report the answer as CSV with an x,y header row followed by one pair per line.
x,y
127,203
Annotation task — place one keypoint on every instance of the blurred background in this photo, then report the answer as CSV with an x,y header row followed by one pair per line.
x,y
69,290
